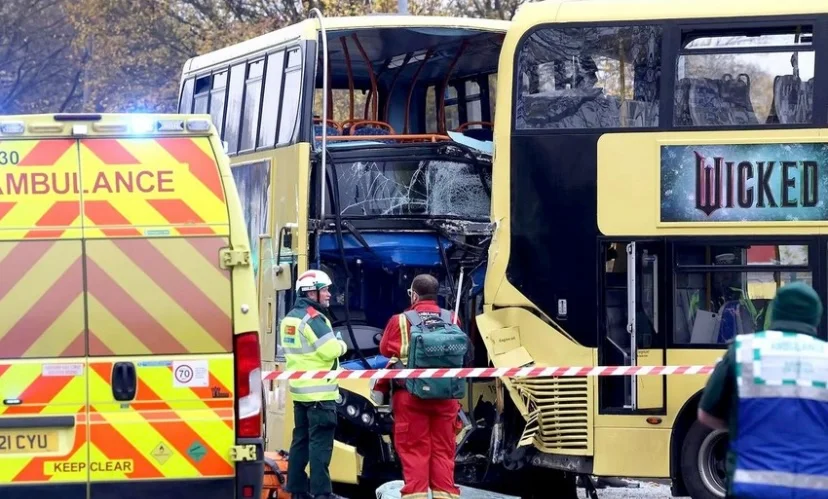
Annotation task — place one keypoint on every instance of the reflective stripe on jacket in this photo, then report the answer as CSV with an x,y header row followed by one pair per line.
x,y
781,441
309,343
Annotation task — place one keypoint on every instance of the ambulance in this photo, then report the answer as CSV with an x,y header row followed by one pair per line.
x,y
129,339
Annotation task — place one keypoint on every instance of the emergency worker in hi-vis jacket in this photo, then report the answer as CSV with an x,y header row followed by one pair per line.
x,y
769,391
309,344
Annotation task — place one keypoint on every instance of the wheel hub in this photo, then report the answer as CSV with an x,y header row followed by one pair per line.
x,y
712,462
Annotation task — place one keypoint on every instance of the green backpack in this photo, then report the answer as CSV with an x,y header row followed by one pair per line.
x,y
435,344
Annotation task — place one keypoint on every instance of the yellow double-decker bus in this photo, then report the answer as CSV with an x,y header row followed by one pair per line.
x,y
397,183
660,172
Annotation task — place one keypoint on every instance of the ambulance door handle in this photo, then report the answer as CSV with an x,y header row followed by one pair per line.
x,y
124,381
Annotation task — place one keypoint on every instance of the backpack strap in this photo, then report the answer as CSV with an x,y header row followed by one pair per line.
x,y
445,315
413,317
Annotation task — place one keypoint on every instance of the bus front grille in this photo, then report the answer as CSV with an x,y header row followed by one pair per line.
x,y
559,419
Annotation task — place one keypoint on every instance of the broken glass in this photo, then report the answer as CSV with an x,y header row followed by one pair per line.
x,y
428,188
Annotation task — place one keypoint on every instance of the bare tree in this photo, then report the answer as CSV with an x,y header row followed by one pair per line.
x,y
40,68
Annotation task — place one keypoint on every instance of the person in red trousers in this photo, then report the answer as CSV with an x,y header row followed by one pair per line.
x,y
424,430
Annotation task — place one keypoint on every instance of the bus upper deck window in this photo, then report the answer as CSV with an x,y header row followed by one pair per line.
x,y
745,78
589,77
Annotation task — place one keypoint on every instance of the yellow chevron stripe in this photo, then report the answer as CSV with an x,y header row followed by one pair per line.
x,y
185,402
151,297
96,455
135,429
203,143
62,332
208,278
11,467
5,249
31,208
57,475
226,377
22,297
70,400
114,335
16,379
155,158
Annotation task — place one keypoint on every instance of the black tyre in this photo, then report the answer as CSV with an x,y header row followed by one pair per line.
x,y
541,483
703,458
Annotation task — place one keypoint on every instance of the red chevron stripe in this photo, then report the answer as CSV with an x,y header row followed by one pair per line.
x,y
202,166
110,151
143,326
33,472
176,211
60,214
178,286
38,394
209,248
103,213
181,436
20,260
115,446
5,208
47,152
44,313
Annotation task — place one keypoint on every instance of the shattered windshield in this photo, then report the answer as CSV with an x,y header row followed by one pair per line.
x,y
419,188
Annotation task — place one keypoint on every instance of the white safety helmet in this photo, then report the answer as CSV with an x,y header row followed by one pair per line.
x,y
312,280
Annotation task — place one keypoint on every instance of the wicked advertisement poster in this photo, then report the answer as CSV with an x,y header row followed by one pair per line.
x,y
782,182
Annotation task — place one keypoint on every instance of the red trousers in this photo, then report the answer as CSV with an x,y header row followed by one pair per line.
x,y
424,436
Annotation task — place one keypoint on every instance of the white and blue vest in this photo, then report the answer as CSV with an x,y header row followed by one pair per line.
x,y
781,441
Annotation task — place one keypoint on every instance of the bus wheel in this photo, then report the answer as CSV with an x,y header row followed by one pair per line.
x,y
703,457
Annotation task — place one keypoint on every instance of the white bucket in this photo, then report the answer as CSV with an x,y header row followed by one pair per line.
x,y
391,490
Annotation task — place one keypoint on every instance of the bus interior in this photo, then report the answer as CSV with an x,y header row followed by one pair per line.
x,y
408,158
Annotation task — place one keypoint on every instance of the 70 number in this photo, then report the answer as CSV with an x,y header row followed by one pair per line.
x,y
7,158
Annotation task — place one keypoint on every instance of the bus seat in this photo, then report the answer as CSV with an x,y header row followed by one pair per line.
x,y
735,319
333,129
736,93
368,128
682,103
792,100
721,102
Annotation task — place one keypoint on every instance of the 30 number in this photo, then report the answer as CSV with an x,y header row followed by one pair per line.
x,y
7,158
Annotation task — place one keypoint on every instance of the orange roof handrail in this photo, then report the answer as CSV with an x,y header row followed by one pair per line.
x,y
420,137
411,87
441,112
330,94
344,42
373,97
470,123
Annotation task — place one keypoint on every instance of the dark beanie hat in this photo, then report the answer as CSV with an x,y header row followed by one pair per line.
x,y
797,302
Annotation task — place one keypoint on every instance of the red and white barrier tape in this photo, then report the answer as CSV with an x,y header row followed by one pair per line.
x,y
490,372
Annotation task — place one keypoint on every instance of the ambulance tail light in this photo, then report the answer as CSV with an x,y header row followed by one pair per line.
x,y
248,385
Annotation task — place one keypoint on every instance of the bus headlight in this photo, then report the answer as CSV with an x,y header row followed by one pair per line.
x,y
356,409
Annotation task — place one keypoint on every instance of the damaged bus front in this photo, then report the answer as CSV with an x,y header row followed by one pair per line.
x,y
397,182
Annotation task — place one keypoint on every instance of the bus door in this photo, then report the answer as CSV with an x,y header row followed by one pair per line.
x,y
645,298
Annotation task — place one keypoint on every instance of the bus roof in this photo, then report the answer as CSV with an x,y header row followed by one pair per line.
x,y
531,14
309,27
